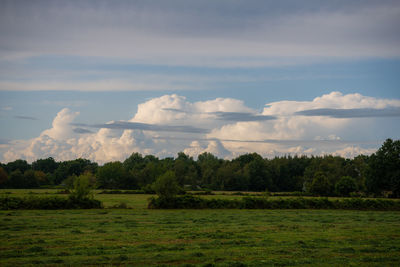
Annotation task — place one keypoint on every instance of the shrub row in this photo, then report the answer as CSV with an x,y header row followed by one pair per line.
x,y
192,202
116,191
47,203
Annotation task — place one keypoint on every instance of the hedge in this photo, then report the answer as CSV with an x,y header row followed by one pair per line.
x,y
47,203
192,202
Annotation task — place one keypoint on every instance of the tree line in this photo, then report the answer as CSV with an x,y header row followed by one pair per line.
x,y
377,174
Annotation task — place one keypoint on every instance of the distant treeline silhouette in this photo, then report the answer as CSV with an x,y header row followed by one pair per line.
x,y
377,174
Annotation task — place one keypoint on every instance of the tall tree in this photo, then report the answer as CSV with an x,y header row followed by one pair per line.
x,y
73,167
18,164
48,165
112,175
384,169
3,178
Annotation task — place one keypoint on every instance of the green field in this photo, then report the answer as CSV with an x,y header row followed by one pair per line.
x,y
142,237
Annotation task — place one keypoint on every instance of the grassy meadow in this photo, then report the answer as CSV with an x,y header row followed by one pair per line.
x,y
142,237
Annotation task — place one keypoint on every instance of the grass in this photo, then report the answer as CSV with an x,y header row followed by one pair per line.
x,y
142,237
220,237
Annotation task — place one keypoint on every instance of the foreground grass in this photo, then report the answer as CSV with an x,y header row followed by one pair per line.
x,y
142,237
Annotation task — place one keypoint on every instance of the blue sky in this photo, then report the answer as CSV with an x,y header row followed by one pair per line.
x,y
105,58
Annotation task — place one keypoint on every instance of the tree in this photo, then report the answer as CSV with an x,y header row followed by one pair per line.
x,y
18,164
30,179
384,169
320,185
332,167
345,186
185,169
82,188
258,177
166,185
208,165
134,162
48,165
3,178
360,166
148,174
41,178
16,180
229,177
112,175
73,167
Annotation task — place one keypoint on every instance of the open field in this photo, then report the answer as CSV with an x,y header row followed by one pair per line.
x,y
142,237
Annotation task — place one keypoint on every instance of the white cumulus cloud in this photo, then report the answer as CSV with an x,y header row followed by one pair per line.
x,y
231,126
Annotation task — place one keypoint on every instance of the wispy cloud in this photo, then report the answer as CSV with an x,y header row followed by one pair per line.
x,y
4,141
351,113
25,118
124,125
94,85
81,131
228,116
278,141
241,116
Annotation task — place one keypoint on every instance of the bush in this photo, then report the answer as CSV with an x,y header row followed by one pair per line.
x,y
47,203
320,185
122,192
345,186
81,197
192,202
148,189
166,186
81,188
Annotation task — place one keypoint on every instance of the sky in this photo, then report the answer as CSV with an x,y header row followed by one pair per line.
x,y
104,79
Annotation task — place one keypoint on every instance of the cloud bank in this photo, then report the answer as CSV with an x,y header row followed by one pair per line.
x,y
226,127
223,33
351,113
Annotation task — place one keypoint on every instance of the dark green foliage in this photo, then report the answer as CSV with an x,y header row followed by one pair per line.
x,y
82,188
287,173
134,162
18,164
192,202
116,191
48,165
186,170
47,203
257,174
16,180
3,178
345,186
378,174
384,169
208,165
30,180
81,197
230,177
73,167
112,176
166,186
320,185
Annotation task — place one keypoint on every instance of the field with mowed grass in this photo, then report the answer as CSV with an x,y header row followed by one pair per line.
x,y
143,237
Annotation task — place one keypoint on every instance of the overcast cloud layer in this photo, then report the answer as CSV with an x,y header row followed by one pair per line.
x,y
149,30
168,124
42,40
